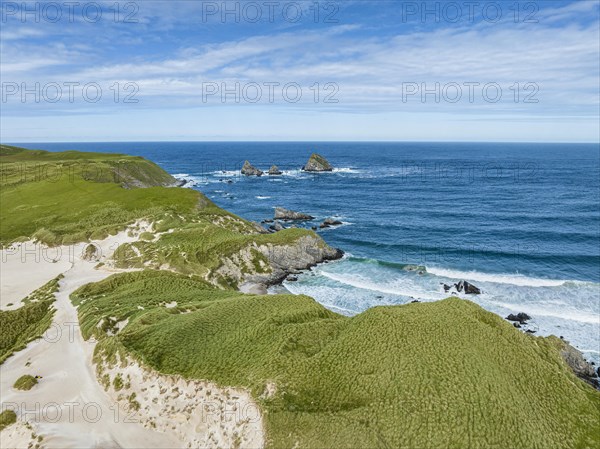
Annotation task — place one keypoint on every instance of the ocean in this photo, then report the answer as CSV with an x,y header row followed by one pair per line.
x,y
519,221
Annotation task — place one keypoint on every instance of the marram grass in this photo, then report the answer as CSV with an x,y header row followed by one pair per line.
x,y
28,322
427,375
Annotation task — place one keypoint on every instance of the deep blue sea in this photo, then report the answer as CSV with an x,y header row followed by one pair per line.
x,y
520,221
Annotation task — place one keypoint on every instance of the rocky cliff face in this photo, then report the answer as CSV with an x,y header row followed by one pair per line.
x,y
270,264
317,163
579,365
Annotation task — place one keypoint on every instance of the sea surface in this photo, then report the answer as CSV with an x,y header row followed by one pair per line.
x,y
520,221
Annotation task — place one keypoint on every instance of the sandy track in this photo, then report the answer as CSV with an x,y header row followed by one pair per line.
x,y
69,408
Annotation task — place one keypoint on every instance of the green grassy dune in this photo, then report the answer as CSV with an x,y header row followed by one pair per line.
x,y
445,374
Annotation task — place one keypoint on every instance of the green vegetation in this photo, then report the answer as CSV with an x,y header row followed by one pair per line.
x,y
73,196
445,374
25,382
54,198
7,417
28,322
200,247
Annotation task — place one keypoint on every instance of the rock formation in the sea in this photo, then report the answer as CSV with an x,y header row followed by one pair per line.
x,y
276,227
329,222
468,288
317,163
274,171
581,367
286,214
249,170
521,318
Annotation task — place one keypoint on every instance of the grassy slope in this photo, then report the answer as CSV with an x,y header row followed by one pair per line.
x,y
28,322
71,196
445,374
61,198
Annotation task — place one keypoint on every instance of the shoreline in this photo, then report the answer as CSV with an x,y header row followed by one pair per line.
x,y
298,328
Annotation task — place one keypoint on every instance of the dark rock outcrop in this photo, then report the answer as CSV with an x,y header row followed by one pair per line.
x,y
274,171
276,227
249,170
579,365
329,222
317,163
521,318
468,288
285,214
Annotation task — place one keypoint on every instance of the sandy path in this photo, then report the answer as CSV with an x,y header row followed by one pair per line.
x,y
69,408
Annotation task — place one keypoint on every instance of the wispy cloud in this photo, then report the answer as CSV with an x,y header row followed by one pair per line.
x,y
370,67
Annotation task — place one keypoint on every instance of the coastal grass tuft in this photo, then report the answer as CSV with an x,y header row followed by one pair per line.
x,y
7,417
444,374
28,322
25,382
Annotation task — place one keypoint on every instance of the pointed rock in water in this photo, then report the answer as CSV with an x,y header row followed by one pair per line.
x,y
274,171
249,170
285,214
469,289
317,163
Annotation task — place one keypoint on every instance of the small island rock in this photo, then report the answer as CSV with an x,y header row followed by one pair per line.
x,y
468,288
249,170
285,214
317,163
274,171
328,222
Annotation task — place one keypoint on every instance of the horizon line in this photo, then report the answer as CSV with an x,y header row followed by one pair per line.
x,y
300,141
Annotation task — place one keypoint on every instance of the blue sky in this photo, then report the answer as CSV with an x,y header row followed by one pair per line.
x,y
357,70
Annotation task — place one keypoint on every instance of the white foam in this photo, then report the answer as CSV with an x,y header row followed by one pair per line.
x,y
262,197
359,282
514,279
346,170
563,312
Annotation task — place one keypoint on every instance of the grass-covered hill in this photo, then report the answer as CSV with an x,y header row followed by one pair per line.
x,y
67,197
438,375
72,196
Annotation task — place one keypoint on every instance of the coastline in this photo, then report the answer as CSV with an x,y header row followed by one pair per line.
x,y
181,275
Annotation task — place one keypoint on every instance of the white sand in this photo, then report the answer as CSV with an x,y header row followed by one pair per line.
x,y
25,267
69,408
200,414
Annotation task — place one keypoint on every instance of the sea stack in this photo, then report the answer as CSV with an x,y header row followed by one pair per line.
x,y
249,170
274,170
317,163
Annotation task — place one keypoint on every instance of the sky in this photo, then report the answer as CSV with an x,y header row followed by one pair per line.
x,y
300,70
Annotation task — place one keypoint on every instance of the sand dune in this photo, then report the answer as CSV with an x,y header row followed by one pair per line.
x,y
68,408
